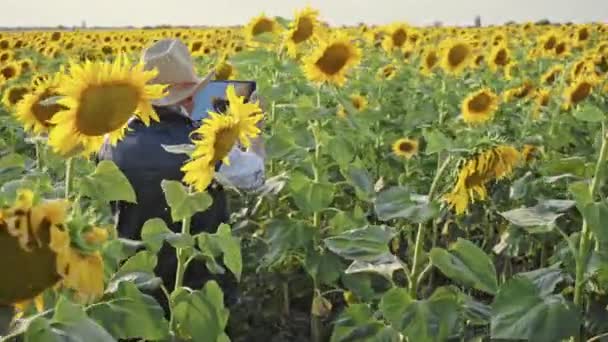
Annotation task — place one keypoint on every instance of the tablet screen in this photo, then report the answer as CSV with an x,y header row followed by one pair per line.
x,y
213,97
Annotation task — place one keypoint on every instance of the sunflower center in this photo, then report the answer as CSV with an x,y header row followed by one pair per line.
x,y
502,58
431,60
544,100
196,46
583,34
480,103
16,94
105,108
357,103
44,113
334,59
388,71
406,147
8,72
224,141
304,30
550,43
399,37
262,26
224,71
551,78
457,54
581,92
560,48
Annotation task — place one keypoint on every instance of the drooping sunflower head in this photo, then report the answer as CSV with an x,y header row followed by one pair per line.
x,y
551,75
430,60
479,106
39,106
14,94
101,97
457,56
492,164
332,60
387,72
523,91
405,148
304,28
500,56
396,37
261,25
578,91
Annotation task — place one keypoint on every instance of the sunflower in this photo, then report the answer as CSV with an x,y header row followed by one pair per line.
x,y
358,101
33,113
225,71
548,41
406,148
10,70
13,95
542,98
304,28
218,134
562,49
101,97
489,165
6,56
480,106
551,75
387,72
396,37
578,91
530,152
525,90
332,60
430,60
260,25
457,56
500,56
35,237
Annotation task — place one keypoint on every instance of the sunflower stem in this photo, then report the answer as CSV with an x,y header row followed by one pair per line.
x,y
39,155
421,230
585,239
69,166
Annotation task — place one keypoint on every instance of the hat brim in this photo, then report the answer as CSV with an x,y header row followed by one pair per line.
x,y
176,95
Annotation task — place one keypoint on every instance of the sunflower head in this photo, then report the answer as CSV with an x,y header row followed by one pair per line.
x,y
38,107
479,106
578,91
524,91
387,72
304,28
500,56
100,97
457,56
14,94
358,101
430,60
396,37
225,71
405,148
551,75
259,26
332,60
10,70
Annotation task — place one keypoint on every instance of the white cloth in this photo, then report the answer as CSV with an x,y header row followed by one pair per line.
x,y
246,170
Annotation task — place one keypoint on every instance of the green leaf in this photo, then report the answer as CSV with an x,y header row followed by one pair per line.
x,y
284,236
436,141
385,266
278,146
357,323
138,269
393,305
571,165
342,150
12,160
179,240
154,233
589,113
467,264
433,319
397,202
545,279
182,204
310,196
531,217
200,315
365,244
596,215
581,193
107,183
324,268
475,312
131,314
361,180
231,247
71,320
521,312
186,149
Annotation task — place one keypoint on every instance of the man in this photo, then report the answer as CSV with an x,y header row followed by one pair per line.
x,y
144,161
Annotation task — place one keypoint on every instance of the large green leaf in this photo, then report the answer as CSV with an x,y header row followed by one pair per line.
x,y
467,264
231,249
12,160
71,320
365,244
393,305
154,233
310,196
139,270
285,235
589,113
361,180
531,217
128,313
545,279
521,312
107,183
385,266
182,203
436,141
398,202
357,324
200,315
325,268
596,215
342,150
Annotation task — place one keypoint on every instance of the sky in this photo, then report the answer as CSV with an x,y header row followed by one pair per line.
x,y
14,13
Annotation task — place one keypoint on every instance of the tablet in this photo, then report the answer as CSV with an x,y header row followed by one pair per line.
x,y
213,97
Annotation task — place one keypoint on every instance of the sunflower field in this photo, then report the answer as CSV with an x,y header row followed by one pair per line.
x,y
422,184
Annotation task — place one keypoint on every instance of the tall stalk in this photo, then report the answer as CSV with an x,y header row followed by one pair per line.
x,y
585,239
182,262
416,269
69,166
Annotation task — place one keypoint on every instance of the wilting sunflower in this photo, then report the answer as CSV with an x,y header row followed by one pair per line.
x,y
430,60
358,102
35,238
101,97
304,28
489,165
218,135
551,75
332,60
261,25
578,91
14,94
396,37
387,72
480,106
32,111
457,56
500,56
405,148
10,70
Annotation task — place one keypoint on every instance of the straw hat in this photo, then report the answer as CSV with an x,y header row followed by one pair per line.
x,y
175,68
